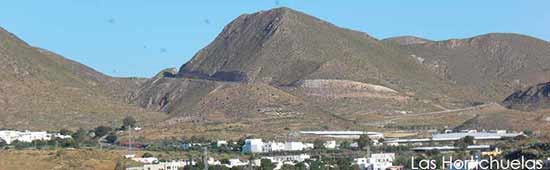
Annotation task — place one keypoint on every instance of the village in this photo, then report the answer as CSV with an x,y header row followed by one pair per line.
x,y
353,149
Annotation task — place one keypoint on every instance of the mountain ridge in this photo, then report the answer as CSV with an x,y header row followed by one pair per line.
x,y
45,91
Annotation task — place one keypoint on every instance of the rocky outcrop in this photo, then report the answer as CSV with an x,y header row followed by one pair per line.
x,y
531,98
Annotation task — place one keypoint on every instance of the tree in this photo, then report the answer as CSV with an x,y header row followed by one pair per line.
x,y
265,164
79,136
111,138
21,145
345,145
128,122
319,144
469,140
317,165
2,144
364,141
288,167
147,155
463,143
101,131
300,166
65,132
344,163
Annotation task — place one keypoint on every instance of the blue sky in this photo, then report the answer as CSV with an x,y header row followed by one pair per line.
x,y
142,37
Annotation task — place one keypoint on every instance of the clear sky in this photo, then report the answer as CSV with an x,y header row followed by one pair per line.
x,y
142,37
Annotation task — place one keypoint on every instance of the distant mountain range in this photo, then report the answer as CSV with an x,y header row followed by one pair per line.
x,y
280,69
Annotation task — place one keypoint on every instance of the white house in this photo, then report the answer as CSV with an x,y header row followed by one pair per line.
x,y
236,162
221,143
10,136
171,165
309,146
253,146
273,147
290,158
294,146
330,144
381,161
362,162
148,160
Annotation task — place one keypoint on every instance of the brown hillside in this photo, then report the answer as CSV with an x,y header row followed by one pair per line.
x,y
42,90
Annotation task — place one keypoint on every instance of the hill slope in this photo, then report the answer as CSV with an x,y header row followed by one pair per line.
x,y
531,98
267,67
42,90
493,64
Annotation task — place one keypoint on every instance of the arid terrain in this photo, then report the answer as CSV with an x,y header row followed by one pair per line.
x,y
279,71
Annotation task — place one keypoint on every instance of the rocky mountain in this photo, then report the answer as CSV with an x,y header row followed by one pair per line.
x,y
274,65
42,90
531,98
279,71
493,64
269,67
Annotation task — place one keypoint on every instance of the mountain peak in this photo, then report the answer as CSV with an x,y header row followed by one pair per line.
x,y
249,45
406,40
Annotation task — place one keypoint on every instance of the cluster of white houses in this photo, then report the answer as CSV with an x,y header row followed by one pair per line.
x,y
379,161
9,136
258,146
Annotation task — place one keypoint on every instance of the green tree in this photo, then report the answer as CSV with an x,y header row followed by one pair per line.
x,y
364,141
470,140
319,144
344,163
65,132
2,144
463,143
317,165
288,167
266,164
79,136
345,145
300,166
21,145
111,138
128,122
147,155
101,131
39,144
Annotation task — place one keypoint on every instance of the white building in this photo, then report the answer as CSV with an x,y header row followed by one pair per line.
x,y
289,158
172,165
330,144
294,146
273,147
221,143
253,146
236,162
379,161
10,136
309,146
362,162
149,160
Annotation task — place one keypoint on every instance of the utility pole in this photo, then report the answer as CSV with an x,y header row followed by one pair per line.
x,y
205,157
130,140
